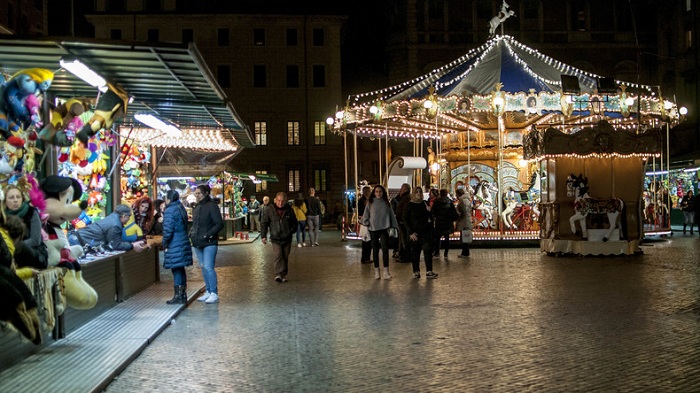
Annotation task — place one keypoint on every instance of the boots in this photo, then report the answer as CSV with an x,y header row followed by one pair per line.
x,y
386,273
376,273
180,295
684,229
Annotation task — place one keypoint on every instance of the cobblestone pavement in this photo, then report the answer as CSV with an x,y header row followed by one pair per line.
x,y
506,320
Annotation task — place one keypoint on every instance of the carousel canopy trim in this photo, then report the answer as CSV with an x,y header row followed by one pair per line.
x,y
171,82
601,140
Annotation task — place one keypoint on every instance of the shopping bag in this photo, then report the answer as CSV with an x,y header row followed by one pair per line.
x,y
467,236
364,233
393,232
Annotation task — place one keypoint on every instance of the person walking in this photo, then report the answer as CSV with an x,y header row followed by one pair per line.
x,y
361,205
379,218
418,221
688,207
280,222
445,215
402,200
177,250
299,207
204,234
464,222
312,216
254,212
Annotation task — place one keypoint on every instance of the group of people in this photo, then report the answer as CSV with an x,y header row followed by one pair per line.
x,y
690,205
282,220
419,225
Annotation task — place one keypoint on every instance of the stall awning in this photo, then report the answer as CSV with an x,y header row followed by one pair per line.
x,y
170,81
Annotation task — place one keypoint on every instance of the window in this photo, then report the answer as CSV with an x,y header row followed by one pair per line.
x,y
319,133
259,76
187,36
223,37
318,37
320,182
262,186
153,35
292,37
294,179
260,133
319,76
115,34
223,75
293,133
292,76
259,37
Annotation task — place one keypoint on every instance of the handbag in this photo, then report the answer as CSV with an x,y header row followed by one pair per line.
x,y
392,232
364,233
467,236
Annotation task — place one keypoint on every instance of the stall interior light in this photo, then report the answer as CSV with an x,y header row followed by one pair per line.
x,y
77,68
158,124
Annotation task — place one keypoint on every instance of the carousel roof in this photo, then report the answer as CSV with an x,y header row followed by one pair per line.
x,y
464,96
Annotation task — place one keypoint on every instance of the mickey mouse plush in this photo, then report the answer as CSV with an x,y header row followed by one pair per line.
x,y
60,193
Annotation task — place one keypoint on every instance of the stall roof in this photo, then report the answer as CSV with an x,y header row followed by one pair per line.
x,y
170,81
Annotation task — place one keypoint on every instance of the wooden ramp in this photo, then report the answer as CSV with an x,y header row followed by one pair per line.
x,y
90,357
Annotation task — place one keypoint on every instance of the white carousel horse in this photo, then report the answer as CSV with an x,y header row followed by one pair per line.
x,y
527,199
584,204
483,201
500,18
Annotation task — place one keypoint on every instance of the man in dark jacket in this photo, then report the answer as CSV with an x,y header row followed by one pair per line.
x,y
403,199
107,232
281,222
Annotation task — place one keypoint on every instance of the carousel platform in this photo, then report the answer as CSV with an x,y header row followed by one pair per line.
x,y
89,358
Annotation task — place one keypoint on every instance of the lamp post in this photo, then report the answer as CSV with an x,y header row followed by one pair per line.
x,y
498,105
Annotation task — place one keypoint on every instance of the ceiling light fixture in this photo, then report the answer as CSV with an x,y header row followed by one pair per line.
x,y
77,68
158,124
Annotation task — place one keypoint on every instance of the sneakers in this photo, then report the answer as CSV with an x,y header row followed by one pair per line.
x,y
284,279
303,244
431,275
213,298
278,278
416,274
316,244
204,297
299,245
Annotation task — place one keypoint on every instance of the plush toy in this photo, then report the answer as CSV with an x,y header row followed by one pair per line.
x,y
60,193
14,111
110,106
131,231
65,122
19,308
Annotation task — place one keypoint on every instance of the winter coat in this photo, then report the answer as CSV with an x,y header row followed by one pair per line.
x,y
281,224
206,223
417,219
313,206
106,231
177,250
300,211
445,214
464,208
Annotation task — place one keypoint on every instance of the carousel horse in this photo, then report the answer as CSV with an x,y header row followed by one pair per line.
x,y
500,18
525,199
577,186
483,202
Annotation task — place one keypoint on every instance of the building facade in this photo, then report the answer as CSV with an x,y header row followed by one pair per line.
x,y
280,71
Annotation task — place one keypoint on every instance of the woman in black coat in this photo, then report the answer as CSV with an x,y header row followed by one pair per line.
x,y
419,226
445,214
206,224
177,252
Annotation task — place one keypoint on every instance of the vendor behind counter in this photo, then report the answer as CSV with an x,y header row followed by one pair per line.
x,y
107,232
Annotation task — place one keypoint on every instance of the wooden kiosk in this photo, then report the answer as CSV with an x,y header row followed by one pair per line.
x,y
612,160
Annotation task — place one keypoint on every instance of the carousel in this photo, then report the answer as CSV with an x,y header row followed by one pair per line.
x,y
469,120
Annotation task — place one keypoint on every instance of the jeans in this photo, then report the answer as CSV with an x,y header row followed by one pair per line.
x,y
301,229
179,276
380,239
280,255
312,223
206,257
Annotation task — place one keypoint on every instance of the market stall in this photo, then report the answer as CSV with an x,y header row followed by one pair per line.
x,y
469,118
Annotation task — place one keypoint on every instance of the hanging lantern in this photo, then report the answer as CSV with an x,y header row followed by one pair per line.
x,y
498,100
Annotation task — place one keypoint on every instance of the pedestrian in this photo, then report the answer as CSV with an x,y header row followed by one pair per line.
x,y
419,223
254,212
177,250
464,222
402,200
143,213
688,207
366,240
204,234
312,216
299,207
445,215
159,205
265,205
379,218
280,222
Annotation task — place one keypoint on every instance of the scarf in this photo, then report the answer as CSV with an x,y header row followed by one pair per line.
x,y
21,212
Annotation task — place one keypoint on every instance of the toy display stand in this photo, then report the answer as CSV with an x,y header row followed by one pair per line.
x,y
612,161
